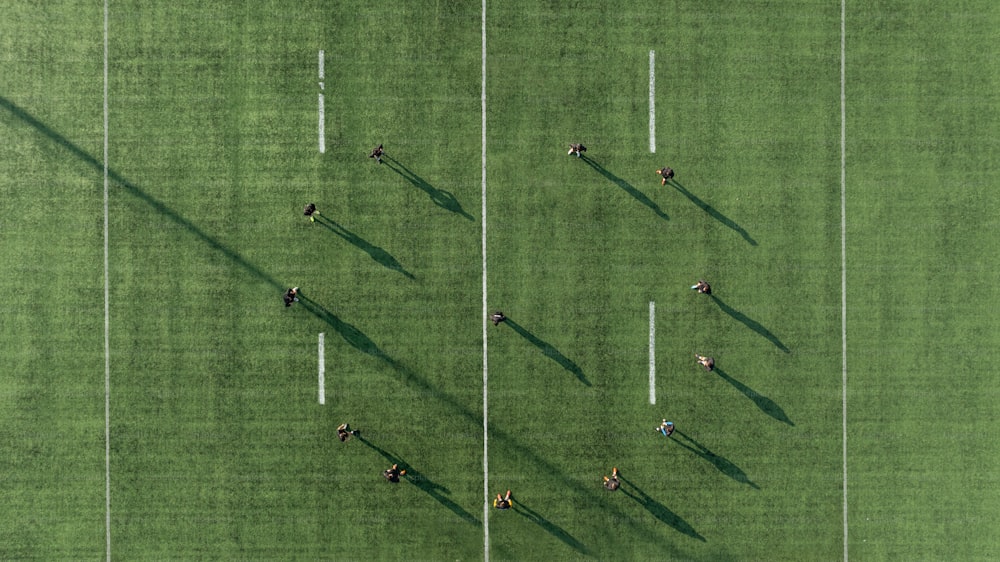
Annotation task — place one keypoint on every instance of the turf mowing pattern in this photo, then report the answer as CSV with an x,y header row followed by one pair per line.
x,y
219,448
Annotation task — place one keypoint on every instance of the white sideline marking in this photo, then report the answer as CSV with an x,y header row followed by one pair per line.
x,y
107,315
652,352
486,463
322,371
322,127
652,102
843,247
322,119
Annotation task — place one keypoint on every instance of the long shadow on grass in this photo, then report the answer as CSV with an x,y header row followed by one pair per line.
x,y
721,463
765,404
156,204
421,481
440,197
553,529
514,444
658,510
549,351
354,336
715,214
629,188
351,334
750,323
378,254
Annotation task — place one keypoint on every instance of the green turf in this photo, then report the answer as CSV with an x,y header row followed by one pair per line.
x,y
923,336
219,449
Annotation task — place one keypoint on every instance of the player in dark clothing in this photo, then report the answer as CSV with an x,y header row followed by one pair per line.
x,y
667,173
702,287
344,432
377,153
393,473
612,483
707,362
310,211
576,148
497,318
503,501
290,296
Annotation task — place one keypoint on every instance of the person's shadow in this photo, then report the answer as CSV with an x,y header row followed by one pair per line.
x,y
440,197
555,530
721,463
750,323
658,510
627,187
378,254
712,211
421,481
765,404
351,335
549,351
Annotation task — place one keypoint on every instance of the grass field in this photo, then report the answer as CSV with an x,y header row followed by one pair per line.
x,y
214,444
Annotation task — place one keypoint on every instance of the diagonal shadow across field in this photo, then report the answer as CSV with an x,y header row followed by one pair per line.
x,y
555,530
766,405
549,351
350,333
627,187
440,197
721,463
421,481
714,213
659,510
750,323
153,202
378,254
355,337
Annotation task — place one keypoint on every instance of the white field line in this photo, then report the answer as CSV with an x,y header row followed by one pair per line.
x,y
652,102
322,127
486,458
322,371
107,315
652,352
322,117
843,248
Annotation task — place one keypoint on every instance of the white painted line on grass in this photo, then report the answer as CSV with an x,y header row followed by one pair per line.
x,y
322,117
652,352
652,102
322,371
843,247
322,127
486,448
107,314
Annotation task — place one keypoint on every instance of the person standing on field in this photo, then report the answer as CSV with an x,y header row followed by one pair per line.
x,y
702,287
310,211
576,148
707,362
291,296
393,473
666,428
377,153
666,173
612,484
344,432
503,501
